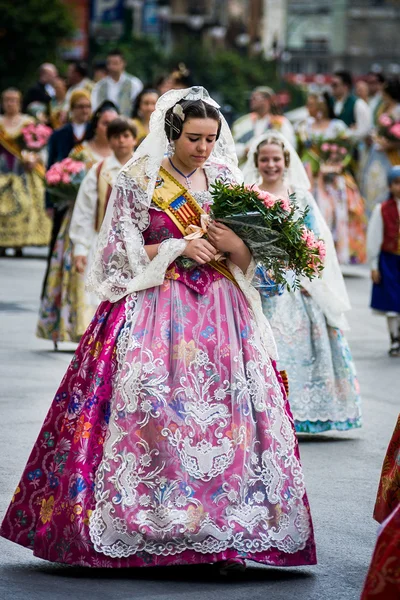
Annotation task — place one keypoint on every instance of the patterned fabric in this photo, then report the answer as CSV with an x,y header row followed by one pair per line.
x,y
64,314
23,220
383,579
324,391
169,441
388,497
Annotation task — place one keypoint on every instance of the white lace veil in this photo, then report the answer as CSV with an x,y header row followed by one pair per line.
x,y
296,173
147,159
329,290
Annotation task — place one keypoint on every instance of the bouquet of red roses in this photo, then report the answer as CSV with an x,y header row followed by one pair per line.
x,y
274,230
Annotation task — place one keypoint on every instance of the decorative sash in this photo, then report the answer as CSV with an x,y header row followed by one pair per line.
x,y
13,148
182,209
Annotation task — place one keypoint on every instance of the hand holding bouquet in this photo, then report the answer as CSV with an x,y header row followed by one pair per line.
x,y
388,128
273,229
64,178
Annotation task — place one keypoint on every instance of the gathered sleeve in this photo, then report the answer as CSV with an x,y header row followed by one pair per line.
x,y
82,228
121,265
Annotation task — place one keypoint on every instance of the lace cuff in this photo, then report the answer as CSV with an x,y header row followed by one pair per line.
x,y
154,273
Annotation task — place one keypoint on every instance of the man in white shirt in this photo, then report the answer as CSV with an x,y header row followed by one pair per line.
x,y
94,193
353,111
263,117
118,86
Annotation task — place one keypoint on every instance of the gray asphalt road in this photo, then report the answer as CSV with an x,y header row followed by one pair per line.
x,y
342,470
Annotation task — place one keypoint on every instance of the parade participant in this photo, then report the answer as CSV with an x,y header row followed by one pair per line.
x,y
375,88
77,77
62,313
385,151
353,111
23,220
93,195
99,70
326,150
60,145
362,90
383,579
263,117
308,324
143,108
384,259
171,436
119,87
59,104
43,91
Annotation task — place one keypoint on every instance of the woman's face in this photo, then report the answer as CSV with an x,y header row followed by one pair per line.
x,y
147,105
104,121
312,106
271,163
196,142
11,103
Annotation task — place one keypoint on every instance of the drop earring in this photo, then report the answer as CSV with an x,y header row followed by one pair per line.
x,y
171,149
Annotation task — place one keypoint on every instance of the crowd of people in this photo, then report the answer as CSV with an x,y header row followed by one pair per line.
x,y
172,432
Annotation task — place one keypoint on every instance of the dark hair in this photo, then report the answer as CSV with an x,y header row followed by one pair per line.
x,y
192,109
104,107
380,76
120,125
346,78
138,99
271,139
392,88
80,67
99,64
116,52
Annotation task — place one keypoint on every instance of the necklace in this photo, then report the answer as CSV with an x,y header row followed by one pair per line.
x,y
186,177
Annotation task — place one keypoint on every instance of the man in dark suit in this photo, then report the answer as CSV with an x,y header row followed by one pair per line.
x,y
60,145
43,91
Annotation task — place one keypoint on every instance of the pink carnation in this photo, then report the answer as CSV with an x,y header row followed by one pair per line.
x,y
52,177
65,178
343,151
285,204
325,147
321,249
395,130
334,147
385,120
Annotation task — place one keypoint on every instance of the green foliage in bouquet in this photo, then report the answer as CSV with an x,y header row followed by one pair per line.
x,y
274,230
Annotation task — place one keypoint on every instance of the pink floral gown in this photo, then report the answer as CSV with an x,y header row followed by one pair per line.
x,y
170,439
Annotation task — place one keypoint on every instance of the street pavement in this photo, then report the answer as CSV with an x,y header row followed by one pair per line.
x,y
341,469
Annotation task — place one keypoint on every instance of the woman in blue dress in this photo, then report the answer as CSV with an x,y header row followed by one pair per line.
x,y
308,324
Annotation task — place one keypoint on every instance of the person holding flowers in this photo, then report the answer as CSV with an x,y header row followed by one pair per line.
x,y
308,323
171,435
325,147
385,151
23,220
62,313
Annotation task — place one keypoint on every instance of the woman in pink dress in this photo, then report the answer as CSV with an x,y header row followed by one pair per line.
x,y
170,439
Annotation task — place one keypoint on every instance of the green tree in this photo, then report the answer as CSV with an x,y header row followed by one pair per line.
x,y
30,31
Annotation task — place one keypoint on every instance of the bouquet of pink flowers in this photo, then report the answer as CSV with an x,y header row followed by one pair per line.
x,y
388,128
273,228
35,137
64,178
336,151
